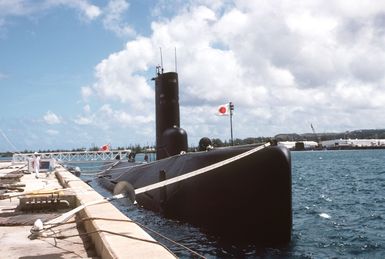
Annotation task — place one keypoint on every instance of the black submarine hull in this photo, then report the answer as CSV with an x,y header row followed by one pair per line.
x,y
247,200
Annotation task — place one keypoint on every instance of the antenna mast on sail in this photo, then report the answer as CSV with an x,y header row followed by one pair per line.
x,y
176,62
161,60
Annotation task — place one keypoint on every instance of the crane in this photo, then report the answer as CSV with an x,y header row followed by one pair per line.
x,y
316,135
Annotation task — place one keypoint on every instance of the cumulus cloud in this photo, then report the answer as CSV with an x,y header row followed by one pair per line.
x,y
87,10
112,14
86,92
119,78
83,120
10,8
91,11
284,64
113,18
87,108
15,7
52,118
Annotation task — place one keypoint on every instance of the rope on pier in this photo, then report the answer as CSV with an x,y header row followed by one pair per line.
x,y
123,235
6,167
19,169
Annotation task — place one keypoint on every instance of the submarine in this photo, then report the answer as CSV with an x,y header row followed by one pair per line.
x,y
239,193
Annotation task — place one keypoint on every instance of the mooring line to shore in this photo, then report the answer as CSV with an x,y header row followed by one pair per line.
x,y
16,169
9,141
199,171
39,227
64,217
93,166
94,172
127,236
34,192
112,166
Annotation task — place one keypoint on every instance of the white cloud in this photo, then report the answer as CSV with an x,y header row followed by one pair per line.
x,y
88,10
87,108
86,92
28,7
284,64
52,118
118,76
83,120
113,18
119,117
15,7
91,11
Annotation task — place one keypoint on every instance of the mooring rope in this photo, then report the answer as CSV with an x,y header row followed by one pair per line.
x,y
98,172
6,167
199,171
89,161
16,169
90,172
109,168
42,191
123,235
94,166
9,142
64,217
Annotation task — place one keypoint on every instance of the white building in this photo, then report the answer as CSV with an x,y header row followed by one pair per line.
x,y
335,143
292,144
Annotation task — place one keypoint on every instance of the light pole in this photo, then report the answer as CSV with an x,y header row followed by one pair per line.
x,y
231,122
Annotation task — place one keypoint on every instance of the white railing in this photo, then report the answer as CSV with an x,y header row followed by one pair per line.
x,y
75,156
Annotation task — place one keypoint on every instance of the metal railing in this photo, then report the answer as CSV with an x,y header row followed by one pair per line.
x,y
75,156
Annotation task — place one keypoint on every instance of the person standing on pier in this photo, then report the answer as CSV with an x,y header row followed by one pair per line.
x,y
36,164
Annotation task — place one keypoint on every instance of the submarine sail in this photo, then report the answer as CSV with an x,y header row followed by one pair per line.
x,y
170,138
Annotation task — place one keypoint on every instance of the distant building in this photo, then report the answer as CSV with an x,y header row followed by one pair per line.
x,y
334,144
353,143
298,145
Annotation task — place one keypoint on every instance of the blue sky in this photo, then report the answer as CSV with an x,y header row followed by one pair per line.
x,y
76,73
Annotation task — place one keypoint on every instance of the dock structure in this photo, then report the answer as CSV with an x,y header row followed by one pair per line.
x,y
97,231
74,156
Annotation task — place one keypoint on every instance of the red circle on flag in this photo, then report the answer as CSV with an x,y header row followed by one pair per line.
x,y
222,109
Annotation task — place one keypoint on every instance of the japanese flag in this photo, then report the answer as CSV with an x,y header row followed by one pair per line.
x,y
223,109
105,147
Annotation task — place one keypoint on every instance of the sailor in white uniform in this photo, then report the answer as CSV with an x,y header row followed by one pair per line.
x,y
36,164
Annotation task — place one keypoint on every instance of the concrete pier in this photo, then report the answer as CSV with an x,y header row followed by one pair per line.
x,y
97,231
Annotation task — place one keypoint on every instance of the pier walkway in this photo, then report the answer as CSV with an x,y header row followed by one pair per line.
x,y
97,231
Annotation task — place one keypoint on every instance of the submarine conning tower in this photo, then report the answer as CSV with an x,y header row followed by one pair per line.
x,y
170,138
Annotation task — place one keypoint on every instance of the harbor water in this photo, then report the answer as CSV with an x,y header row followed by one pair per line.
x,y
338,212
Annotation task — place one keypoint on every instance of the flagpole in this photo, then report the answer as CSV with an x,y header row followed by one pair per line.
x,y
231,122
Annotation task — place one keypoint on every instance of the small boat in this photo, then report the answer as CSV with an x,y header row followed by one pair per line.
x,y
239,193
